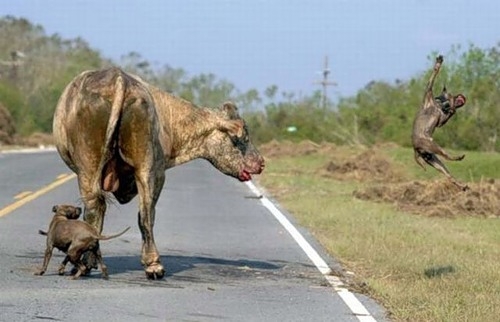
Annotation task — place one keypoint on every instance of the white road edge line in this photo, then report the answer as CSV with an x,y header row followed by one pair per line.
x,y
356,307
41,149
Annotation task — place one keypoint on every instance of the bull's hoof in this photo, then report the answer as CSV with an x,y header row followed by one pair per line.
x,y
155,272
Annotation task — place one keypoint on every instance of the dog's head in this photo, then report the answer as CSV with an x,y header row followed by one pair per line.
x,y
448,101
68,211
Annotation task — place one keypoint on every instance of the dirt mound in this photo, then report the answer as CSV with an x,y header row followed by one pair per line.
x,y
439,198
276,148
369,165
384,180
7,128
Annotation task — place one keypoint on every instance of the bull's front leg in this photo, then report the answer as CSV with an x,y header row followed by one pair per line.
x,y
150,186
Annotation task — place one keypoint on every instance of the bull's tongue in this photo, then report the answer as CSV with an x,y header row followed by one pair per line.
x,y
244,176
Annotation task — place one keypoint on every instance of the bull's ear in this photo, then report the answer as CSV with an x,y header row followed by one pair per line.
x,y
232,127
54,208
230,109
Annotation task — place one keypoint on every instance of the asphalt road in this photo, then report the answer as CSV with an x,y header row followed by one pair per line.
x,y
227,257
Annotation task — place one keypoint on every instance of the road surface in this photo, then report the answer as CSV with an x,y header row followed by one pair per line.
x,y
227,256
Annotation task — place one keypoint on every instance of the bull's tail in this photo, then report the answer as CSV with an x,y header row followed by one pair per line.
x,y
107,148
113,236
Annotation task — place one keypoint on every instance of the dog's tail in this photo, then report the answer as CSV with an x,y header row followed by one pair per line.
x,y
101,237
41,232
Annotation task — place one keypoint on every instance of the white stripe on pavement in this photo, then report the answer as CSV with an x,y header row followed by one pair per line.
x,y
356,307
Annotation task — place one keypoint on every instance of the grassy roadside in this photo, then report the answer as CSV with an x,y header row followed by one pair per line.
x,y
420,268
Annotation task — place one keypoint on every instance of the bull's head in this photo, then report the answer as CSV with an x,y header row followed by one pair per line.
x,y
229,148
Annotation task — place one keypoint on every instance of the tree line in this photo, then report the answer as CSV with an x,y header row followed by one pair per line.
x,y
35,67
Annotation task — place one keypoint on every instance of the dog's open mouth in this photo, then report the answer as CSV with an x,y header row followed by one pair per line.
x,y
460,100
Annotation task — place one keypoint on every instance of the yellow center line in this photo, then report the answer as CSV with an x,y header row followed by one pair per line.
x,y
30,197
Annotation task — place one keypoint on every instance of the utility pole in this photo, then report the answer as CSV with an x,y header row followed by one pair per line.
x,y
325,83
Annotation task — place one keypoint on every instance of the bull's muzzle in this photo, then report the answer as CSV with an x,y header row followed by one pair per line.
x,y
254,164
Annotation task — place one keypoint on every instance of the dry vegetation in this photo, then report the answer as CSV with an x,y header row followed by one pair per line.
x,y
8,136
387,182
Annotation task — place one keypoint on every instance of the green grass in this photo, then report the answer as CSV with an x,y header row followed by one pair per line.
x,y
420,268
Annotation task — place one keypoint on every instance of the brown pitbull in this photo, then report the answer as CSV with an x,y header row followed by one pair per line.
x,y
73,237
435,112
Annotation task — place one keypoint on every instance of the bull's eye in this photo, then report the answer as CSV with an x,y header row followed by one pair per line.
x,y
241,143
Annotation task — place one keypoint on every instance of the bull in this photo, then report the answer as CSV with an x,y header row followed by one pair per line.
x,y
119,134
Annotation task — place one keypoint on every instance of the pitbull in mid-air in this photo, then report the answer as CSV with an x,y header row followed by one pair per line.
x,y
435,112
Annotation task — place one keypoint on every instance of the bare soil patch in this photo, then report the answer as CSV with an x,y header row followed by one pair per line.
x,y
369,165
278,149
9,136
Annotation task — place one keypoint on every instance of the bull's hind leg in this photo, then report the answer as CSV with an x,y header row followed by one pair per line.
x,y
140,149
149,191
95,204
104,268
94,210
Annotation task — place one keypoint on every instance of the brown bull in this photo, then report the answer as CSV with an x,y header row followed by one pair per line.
x,y
119,134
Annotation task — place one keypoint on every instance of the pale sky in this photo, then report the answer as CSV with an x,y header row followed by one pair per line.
x,y
254,44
